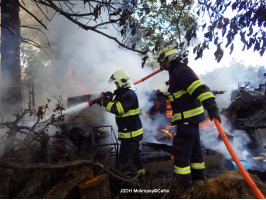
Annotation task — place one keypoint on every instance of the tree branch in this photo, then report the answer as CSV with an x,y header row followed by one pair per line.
x,y
31,14
86,27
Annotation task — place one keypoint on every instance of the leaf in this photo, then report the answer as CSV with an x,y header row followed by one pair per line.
x,y
250,31
216,40
234,5
220,24
231,48
195,49
262,51
203,26
257,46
144,61
218,53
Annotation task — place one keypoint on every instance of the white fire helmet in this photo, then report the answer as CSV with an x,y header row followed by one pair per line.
x,y
121,77
168,51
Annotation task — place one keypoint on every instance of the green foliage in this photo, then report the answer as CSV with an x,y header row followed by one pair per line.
x,y
246,18
157,23
145,26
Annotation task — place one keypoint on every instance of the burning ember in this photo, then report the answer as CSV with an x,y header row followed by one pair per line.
x,y
167,132
169,111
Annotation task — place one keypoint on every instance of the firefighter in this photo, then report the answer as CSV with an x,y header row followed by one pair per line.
x,y
188,96
125,106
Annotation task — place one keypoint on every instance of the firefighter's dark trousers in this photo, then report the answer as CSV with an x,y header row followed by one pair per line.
x,y
188,158
130,155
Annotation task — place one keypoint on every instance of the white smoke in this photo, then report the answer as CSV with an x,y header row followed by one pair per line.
x,y
239,140
230,78
90,59
93,58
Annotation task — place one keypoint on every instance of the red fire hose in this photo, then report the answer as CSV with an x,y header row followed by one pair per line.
x,y
91,102
242,170
146,77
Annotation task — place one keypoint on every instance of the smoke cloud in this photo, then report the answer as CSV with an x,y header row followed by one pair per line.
x,y
84,62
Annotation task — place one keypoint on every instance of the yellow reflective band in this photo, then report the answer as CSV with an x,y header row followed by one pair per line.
x,y
130,113
128,134
197,165
176,116
205,95
141,171
109,106
182,170
120,108
179,93
194,86
188,114
176,95
170,97
194,112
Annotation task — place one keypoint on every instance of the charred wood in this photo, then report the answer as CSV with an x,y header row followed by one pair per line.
x,y
97,188
65,187
247,110
156,152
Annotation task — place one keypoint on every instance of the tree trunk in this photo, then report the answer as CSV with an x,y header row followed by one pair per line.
x,y
10,57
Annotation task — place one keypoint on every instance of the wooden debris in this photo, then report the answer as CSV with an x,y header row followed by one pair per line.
x,y
64,188
96,188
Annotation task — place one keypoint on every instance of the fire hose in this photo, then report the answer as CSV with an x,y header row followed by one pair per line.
x,y
103,94
241,168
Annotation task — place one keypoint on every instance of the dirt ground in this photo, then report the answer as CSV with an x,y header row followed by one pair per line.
x,y
158,184
228,185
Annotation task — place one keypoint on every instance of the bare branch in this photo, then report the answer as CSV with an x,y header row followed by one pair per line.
x,y
8,29
86,27
31,14
28,41
30,27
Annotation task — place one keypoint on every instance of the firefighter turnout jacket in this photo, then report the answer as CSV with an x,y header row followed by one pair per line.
x,y
188,95
125,106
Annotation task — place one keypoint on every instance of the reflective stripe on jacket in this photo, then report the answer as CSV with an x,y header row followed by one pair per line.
x,y
187,95
126,109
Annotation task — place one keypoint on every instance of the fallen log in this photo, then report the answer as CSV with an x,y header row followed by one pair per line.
x,y
64,188
44,166
75,163
96,188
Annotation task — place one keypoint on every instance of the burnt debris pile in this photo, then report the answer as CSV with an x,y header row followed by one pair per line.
x,y
247,110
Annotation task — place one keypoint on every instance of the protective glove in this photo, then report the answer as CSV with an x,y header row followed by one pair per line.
x,y
108,95
214,113
103,101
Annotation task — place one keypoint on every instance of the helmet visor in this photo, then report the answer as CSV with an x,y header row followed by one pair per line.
x,y
112,79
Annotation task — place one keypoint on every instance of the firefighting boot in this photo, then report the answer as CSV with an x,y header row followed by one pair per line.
x,y
180,184
198,175
129,169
